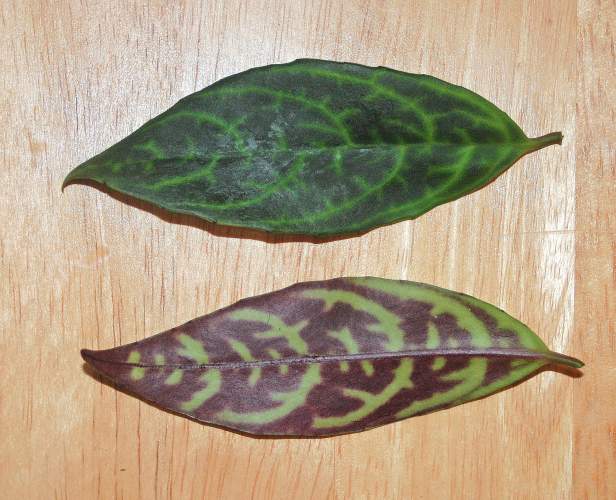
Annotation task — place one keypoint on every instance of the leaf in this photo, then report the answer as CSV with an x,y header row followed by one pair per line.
x,y
330,357
314,147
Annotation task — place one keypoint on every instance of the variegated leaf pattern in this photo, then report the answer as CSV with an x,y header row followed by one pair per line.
x,y
314,147
330,357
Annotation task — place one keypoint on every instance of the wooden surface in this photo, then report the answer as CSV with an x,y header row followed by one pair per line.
x,y
82,269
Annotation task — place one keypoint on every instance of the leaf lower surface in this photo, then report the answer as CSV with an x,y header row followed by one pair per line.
x,y
330,357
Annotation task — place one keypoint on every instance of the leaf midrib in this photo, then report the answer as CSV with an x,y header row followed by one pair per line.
x,y
299,151
516,353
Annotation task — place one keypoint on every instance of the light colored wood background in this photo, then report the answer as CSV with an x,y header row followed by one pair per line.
x,y
81,269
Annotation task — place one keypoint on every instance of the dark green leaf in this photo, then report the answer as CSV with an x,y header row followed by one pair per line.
x,y
314,147
330,357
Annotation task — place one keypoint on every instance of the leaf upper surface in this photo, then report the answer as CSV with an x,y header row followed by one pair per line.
x,y
314,147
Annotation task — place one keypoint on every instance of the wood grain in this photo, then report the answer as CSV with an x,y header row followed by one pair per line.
x,y
82,269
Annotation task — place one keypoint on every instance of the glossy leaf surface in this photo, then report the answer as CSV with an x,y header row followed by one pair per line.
x,y
314,147
330,357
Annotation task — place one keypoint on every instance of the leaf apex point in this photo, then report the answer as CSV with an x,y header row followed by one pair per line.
x,y
65,183
87,355
71,178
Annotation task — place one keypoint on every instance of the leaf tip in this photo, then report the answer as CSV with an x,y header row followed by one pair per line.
x,y
91,359
71,178
87,355
89,170
99,363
